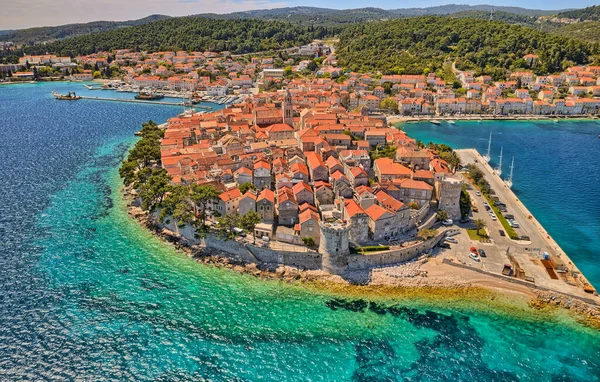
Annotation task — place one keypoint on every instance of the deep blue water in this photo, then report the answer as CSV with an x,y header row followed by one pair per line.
x,y
556,174
86,294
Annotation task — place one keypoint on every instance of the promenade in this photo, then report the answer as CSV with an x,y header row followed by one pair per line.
x,y
528,254
392,119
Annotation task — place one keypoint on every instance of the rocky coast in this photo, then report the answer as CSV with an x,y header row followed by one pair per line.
x,y
424,279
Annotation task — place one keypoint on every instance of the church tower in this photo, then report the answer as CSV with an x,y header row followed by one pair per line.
x,y
288,111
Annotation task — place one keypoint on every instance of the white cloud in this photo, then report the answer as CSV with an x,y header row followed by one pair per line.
x,y
19,14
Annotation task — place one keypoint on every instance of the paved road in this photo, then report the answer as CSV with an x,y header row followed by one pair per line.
x,y
527,253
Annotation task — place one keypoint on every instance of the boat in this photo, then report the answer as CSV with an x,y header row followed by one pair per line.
x,y
452,122
509,181
435,122
499,168
67,97
148,95
486,157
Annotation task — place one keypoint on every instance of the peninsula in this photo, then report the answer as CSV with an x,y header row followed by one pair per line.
x,y
290,181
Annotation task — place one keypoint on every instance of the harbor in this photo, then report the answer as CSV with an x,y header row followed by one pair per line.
x,y
536,258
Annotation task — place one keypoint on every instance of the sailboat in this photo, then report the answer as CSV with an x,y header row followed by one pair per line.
x,y
487,156
509,181
499,168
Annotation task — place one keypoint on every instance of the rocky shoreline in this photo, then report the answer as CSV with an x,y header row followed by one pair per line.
x,y
412,279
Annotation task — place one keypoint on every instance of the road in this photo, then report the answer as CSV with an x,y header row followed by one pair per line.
x,y
527,253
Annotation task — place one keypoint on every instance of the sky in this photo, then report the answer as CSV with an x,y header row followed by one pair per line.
x,y
18,14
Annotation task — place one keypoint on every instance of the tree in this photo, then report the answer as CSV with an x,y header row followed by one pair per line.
x,y
479,224
389,104
426,233
308,241
154,189
202,196
177,204
227,223
244,187
442,215
287,71
249,220
465,202
413,205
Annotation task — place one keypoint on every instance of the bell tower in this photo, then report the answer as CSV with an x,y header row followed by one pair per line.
x,y
288,111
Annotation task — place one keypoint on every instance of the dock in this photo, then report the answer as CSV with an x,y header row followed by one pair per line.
x,y
133,101
145,101
543,261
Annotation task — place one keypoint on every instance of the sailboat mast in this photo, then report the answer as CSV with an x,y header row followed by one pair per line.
x,y
489,147
512,165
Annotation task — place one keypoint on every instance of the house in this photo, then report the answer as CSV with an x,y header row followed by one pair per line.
x,y
417,159
357,176
401,210
316,167
286,207
247,202
308,223
265,206
381,223
410,190
365,197
387,170
262,174
299,172
303,193
359,221
228,202
242,175
323,193
280,131
341,185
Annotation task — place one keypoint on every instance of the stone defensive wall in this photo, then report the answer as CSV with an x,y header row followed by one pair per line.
x,y
309,260
395,256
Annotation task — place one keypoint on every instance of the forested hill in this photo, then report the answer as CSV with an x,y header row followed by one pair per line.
x,y
590,13
422,44
41,34
192,34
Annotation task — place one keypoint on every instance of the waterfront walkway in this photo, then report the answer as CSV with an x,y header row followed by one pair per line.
x,y
133,101
527,253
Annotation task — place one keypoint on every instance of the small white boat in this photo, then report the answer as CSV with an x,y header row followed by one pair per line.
x,y
435,122
452,122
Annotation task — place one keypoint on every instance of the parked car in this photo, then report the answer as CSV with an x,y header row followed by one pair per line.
x,y
481,252
477,193
464,220
509,217
451,240
447,222
513,224
474,257
501,232
444,245
474,250
525,237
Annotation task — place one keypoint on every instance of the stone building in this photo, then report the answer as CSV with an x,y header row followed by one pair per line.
x,y
449,190
334,246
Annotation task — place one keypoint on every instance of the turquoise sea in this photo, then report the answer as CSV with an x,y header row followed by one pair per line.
x,y
86,294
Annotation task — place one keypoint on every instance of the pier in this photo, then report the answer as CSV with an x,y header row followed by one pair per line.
x,y
527,254
145,101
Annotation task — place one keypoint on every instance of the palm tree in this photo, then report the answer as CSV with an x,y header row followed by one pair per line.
x,y
479,224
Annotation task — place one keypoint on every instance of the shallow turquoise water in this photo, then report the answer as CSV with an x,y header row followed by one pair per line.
x,y
86,293
556,174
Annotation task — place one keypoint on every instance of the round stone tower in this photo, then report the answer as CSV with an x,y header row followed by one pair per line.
x,y
334,246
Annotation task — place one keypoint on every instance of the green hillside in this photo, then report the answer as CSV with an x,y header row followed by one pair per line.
x,y
421,44
190,33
